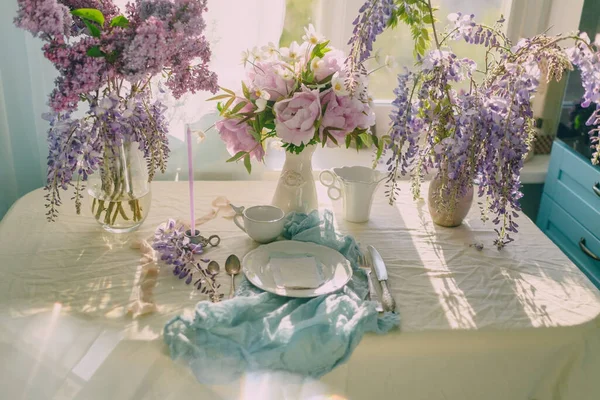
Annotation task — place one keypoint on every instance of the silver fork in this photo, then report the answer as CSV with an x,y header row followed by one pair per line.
x,y
365,264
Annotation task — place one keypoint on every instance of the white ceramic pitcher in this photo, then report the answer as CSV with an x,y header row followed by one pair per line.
x,y
356,185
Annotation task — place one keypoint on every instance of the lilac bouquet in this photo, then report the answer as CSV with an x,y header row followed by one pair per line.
x,y
480,134
107,60
296,94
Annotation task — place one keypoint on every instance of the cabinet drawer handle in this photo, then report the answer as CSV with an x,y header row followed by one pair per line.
x,y
596,188
587,251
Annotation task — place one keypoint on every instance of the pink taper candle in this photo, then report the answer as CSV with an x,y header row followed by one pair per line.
x,y
188,135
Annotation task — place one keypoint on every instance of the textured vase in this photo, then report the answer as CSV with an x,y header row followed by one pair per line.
x,y
119,193
296,189
444,211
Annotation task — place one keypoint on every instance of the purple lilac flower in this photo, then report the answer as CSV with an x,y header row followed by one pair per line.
x,y
169,35
43,18
163,36
79,73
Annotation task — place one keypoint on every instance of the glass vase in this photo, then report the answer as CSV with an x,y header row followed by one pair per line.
x,y
447,210
119,193
296,189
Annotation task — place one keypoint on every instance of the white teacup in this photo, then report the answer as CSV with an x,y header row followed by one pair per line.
x,y
262,223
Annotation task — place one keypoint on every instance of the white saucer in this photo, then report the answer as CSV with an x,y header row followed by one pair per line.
x,y
336,268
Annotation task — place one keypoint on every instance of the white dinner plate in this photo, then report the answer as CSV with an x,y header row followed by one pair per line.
x,y
336,268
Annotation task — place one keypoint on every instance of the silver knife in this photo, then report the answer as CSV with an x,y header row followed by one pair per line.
x,y
373,292
386,297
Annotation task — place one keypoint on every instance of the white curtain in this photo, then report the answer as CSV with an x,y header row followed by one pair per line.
x,y
26,78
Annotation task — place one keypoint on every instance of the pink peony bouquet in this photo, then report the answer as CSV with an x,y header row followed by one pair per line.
x,y
297,94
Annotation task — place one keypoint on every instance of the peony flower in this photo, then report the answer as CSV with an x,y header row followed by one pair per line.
x,y
238,137
332,62
270,77
295,118
345,114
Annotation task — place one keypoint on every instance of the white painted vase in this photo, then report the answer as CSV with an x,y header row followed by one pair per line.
x,y
296,189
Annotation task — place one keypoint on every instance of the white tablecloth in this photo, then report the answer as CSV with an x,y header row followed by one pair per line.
x,y
521,323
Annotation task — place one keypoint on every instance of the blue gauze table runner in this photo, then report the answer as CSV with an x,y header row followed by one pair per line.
x,y
260,331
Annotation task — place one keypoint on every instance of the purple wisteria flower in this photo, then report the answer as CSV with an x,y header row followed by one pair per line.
x,y
586,56
371,21
175,249
481,134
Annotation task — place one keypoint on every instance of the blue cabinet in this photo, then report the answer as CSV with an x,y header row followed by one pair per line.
x,y
570,208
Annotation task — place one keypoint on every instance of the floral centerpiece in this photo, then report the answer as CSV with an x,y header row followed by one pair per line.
x,y
481,132
296,95
107,60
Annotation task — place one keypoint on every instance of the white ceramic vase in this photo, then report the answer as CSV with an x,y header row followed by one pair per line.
x,y
296,189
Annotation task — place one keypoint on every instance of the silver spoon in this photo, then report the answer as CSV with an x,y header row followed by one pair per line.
x,y
213,267
232,267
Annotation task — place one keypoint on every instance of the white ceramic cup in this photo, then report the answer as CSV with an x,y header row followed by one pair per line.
x,y
262,223
356,186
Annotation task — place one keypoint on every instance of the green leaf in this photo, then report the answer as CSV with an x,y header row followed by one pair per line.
x,y
244,119
91,14
112,57
231,92
379,151
320,49
247,163
219,97
94,30
358,143
348,140
95,51
255,134
239,106
366,139
228,104
333,139
427,19
237,156
245,90
375,140
119,21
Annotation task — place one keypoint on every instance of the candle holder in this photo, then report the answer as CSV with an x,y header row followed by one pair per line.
x,y
197,238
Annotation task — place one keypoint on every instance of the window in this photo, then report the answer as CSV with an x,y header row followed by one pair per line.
x,y
571,127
